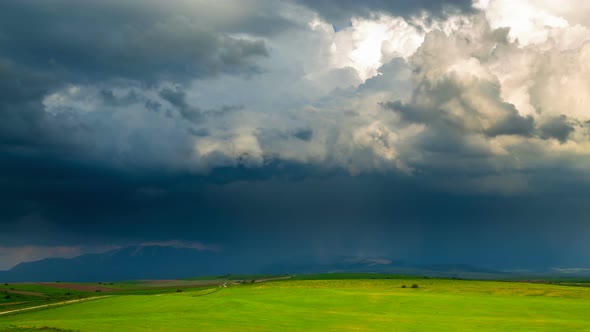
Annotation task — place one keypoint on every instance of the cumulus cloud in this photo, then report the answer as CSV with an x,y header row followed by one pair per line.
x,y
194,86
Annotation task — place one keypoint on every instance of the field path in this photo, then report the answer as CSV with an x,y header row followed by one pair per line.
x,y
271,279
78,287
51,305
22,292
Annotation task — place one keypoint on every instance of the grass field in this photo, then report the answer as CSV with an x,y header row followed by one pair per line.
x,y
327,302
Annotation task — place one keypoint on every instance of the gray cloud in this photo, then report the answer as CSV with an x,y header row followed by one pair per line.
x,y
118,41
340,11
557,127
48,49
304,134
21,114
513,124
178,99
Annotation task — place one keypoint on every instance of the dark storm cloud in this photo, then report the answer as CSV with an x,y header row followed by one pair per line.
x,y
304,134
321,213
341,11
47,46
82,201
104,39
445,142
109,98
513,124
177,98
556,127
23,123
22,84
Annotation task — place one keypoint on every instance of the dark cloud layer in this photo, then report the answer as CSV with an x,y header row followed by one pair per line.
x,y
247,212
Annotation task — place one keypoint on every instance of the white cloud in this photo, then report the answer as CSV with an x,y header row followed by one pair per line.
x,y
534,22
369,43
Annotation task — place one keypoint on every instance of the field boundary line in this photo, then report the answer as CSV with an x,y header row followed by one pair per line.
x,y
51,305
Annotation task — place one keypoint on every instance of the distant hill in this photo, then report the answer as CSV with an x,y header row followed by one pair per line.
x,y
129,263
173,262
382,265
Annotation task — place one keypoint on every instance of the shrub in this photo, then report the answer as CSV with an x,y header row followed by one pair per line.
x,y
404,286
7,296
179,291
98,290
414,286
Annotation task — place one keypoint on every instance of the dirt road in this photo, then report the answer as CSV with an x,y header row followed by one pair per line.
x,y
51,305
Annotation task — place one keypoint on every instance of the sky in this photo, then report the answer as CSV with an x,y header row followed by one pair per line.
x,y
433,131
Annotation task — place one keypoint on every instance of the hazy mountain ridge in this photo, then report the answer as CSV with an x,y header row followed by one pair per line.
x,y
171,262
382,265
135,262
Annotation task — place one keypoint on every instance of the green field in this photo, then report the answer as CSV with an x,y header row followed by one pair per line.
x,y
328,303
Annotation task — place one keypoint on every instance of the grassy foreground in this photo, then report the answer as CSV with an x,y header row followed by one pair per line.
x,y
334,305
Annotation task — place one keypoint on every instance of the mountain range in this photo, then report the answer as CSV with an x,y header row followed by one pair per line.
x,y
172,262
128,263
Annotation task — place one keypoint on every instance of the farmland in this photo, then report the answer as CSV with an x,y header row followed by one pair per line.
x,y
322,302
